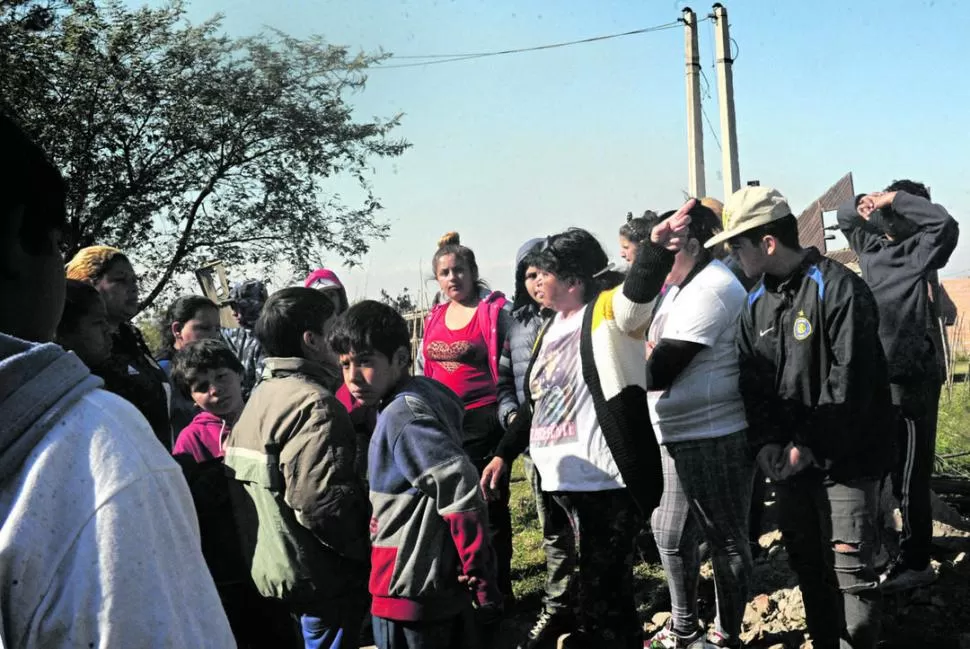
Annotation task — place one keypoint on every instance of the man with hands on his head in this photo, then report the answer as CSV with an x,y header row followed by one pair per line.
x,y
815,386
902,240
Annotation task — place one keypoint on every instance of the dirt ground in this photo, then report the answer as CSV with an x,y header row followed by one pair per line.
x,y
937,616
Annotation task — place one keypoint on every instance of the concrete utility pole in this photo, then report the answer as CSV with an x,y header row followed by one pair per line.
x,y
695,128
725,94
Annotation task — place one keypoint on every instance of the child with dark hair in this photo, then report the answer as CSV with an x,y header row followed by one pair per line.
x,y
634,232
301,507
430,523
189,318
209,374
84,327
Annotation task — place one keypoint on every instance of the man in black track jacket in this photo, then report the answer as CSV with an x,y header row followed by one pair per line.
x,y
902,239
815,386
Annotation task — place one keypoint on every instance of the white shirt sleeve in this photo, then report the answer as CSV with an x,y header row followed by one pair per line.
x,y
135,576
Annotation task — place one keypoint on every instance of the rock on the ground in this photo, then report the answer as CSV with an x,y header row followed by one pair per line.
x,y
657,622
772,613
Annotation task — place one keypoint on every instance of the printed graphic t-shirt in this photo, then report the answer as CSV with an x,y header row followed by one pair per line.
x,y
460,361
566,443
704,400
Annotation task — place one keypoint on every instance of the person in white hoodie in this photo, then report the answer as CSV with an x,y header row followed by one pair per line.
x,y
99,541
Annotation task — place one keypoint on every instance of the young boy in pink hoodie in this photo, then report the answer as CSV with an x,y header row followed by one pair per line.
x,y
208,373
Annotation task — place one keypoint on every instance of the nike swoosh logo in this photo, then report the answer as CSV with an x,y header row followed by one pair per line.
x,y
768,330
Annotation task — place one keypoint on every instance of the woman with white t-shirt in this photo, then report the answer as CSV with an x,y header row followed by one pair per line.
x,y
586,421
699,420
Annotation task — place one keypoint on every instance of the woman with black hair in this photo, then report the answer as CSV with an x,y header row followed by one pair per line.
x,y
558,538
585,416
189,318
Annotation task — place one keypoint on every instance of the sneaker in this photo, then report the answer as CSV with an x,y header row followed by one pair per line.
x,y
666,638
715,639
899,578
546,630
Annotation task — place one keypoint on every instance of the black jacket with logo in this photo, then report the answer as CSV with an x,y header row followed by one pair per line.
x,y
813,370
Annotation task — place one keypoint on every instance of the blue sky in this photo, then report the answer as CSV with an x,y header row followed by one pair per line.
x,y
508,148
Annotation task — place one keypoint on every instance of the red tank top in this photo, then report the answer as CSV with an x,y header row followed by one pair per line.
x,y
459,359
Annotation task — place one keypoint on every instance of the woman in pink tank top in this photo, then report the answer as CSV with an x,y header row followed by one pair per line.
x,y
463,339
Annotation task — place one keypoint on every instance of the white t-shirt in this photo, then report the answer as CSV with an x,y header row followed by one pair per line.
x,y
704,401
566,442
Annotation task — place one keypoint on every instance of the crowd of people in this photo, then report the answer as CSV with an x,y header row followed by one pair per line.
x,y
292,481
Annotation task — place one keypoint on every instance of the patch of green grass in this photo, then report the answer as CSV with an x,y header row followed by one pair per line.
x,y
528,558
953,428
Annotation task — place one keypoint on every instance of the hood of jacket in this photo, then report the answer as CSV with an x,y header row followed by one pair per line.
x,y
205,419
38,384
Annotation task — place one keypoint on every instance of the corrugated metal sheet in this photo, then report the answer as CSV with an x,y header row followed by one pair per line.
x,y
846,257
811,230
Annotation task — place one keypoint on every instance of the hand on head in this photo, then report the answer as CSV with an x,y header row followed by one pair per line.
x,y
874,201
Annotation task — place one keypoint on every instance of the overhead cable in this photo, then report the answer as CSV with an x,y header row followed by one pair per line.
x,y
434,59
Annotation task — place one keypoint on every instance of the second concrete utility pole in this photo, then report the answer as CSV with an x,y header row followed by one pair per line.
x,y
725,93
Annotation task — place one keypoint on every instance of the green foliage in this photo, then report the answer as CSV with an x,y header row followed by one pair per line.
x,y
180,144
403,303
953,429
150,328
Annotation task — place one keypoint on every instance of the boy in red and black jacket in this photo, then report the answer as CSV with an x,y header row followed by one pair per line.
x,y
429,530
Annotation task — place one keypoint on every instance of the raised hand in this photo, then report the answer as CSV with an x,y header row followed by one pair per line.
x,y
671,233
874,201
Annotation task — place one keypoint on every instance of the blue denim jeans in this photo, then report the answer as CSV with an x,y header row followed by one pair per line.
x,y
337,628
830,533
317,634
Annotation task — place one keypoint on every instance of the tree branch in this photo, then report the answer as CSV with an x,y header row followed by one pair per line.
x,y
182,248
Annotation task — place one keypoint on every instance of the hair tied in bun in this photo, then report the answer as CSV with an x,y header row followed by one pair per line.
x,y
449,239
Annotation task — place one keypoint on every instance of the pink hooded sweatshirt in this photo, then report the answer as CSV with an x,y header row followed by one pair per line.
x,y
203,438
326,280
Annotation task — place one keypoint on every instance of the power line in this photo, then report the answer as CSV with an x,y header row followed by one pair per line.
x,y
451,58
710,126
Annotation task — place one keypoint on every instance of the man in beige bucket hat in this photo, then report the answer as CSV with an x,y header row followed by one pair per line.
x,y
815,386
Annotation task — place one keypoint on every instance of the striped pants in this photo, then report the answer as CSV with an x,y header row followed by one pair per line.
x,y
911,477
707,495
